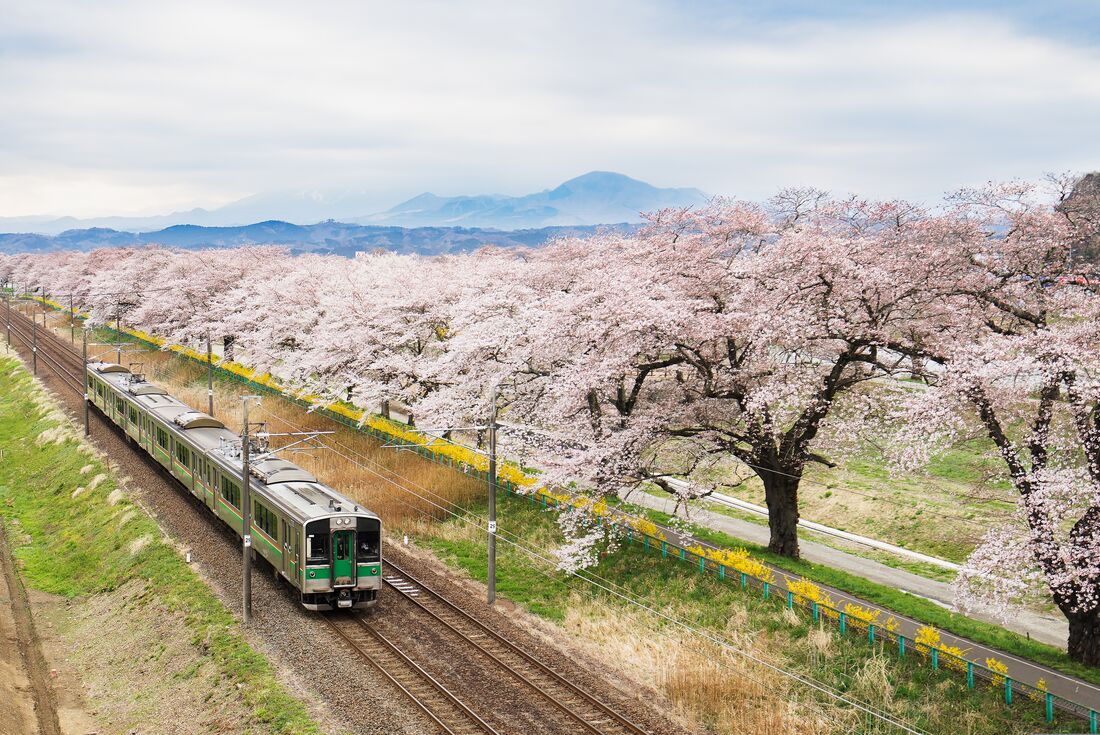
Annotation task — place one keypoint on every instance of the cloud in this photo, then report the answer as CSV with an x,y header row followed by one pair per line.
x,y
123,106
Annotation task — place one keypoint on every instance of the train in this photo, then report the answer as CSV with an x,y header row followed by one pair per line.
x,y
325,546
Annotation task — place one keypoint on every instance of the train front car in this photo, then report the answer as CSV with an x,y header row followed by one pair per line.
x,y
323,544
343,550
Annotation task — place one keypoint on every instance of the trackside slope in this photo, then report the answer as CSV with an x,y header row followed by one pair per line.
x,y
156,650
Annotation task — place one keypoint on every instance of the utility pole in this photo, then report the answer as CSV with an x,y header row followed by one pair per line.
x,y
7,303
493,498
87,426
118,333
246,512
209,376
34,342
72,321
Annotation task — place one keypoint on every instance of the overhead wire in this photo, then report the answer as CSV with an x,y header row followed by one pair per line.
x,y
617,591
974,523
620,592
627,596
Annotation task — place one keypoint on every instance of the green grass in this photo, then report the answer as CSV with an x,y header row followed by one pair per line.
x,y
923,569
943,510
935,701
81,546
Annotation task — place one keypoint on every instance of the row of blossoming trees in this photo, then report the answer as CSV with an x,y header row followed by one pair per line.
x,y
765,337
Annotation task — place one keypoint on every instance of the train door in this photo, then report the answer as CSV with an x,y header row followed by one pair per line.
x,y
286,548
343,557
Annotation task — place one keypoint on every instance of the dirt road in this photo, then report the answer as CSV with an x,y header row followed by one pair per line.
x,y
26,700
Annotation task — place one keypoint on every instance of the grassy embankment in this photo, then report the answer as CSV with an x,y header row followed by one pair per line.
x,y
907,689
942,510
79,536
710,687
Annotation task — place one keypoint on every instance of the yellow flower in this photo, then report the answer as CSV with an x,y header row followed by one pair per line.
x,y
999,669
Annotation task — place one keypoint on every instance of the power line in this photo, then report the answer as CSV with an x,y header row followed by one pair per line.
x,y
620,592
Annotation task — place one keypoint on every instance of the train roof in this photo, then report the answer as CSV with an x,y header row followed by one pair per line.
x,y
296,490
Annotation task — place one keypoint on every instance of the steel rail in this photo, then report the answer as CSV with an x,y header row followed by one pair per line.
x,y
69,378
373,646
599,716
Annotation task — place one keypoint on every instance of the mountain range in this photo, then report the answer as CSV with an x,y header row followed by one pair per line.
x,y
332,238
598,197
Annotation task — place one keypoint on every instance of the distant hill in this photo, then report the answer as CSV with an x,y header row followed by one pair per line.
x,y
596,197
335,238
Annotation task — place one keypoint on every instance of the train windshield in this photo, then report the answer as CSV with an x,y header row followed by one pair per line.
x,y
317,549
367,543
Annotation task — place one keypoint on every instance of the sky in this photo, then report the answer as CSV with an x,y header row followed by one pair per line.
x,y
127,107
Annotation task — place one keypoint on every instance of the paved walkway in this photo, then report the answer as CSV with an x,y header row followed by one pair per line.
x,y
1020,670
1042,627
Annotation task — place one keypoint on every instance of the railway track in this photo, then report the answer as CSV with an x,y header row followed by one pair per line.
x,y
440,704
426,692
588,713
47,347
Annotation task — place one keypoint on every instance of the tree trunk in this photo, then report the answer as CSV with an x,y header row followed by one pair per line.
x,y
781,495
1084,637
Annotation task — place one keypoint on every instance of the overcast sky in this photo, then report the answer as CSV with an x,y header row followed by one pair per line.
x,y
120,107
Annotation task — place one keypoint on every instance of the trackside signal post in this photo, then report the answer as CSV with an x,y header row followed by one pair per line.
x,y
246,513
87,426
209,376
492,588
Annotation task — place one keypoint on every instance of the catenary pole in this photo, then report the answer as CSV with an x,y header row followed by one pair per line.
x,y
246,512
7,300
87,426
72,321
118,333
492,594
34,342
209,376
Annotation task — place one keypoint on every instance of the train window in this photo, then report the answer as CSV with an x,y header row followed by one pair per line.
x,y
266,519
231,491
121,405
316,549
183,455
133,415
162,438
367,545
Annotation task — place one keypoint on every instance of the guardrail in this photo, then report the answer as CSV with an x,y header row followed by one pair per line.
x,y
799,594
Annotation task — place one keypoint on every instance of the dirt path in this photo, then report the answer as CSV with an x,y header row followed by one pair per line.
x,y
26,698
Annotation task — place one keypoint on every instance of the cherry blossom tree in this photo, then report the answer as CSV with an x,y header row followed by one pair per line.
x,y
1017,336
714,333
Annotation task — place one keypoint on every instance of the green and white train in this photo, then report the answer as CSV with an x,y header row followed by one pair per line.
x,y
324,545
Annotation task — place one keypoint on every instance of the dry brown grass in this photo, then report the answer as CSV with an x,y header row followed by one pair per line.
x,y
708,687
402,488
